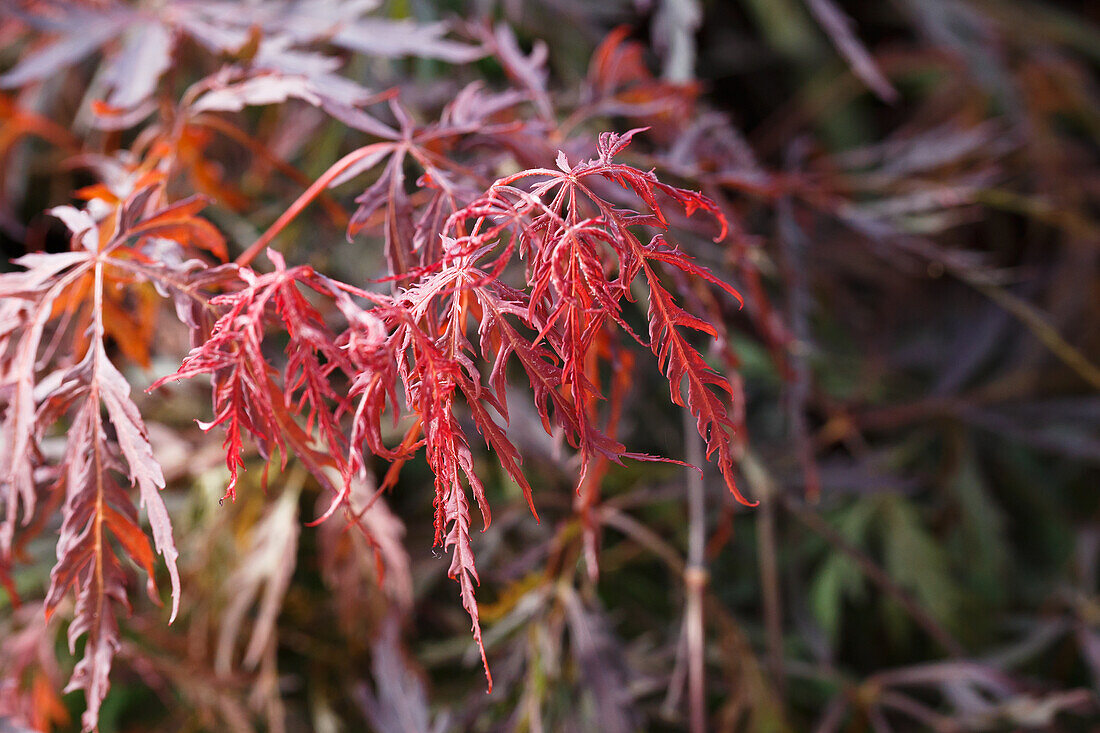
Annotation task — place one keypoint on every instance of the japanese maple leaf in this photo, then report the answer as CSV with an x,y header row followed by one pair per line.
x,y
571,237
65,296
140,42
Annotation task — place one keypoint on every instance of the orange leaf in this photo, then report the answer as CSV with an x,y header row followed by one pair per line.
x,y
135,543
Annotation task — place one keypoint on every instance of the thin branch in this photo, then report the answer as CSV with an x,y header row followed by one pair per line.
x,y
764,489
305,199
877,575
695,577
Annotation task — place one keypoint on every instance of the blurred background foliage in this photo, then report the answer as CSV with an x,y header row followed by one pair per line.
x,y
914,197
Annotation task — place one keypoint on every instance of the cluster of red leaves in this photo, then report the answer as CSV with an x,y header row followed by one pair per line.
x,y
582,258
574,240
533,271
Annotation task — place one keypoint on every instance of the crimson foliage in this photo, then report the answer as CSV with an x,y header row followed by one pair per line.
x,y
533,273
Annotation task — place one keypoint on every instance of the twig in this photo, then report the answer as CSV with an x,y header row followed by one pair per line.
x,y
695,577
878,576
305,199
792,247
764,490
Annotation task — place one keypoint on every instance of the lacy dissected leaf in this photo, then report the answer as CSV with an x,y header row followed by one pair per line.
x,y
246,399
129,299
86,562
582,258
232,355
61,305
411,237
456,514
141,467
681,363
96,507
430,376
366,346
26,305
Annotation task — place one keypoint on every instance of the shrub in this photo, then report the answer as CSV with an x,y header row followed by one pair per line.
x,y
526,228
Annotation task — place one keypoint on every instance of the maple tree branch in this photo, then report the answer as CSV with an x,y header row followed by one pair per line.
x,y
311,193
695,576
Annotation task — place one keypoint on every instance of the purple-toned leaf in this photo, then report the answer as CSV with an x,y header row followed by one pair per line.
x,y
134,72
64,52
143,468
256,91
406,37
